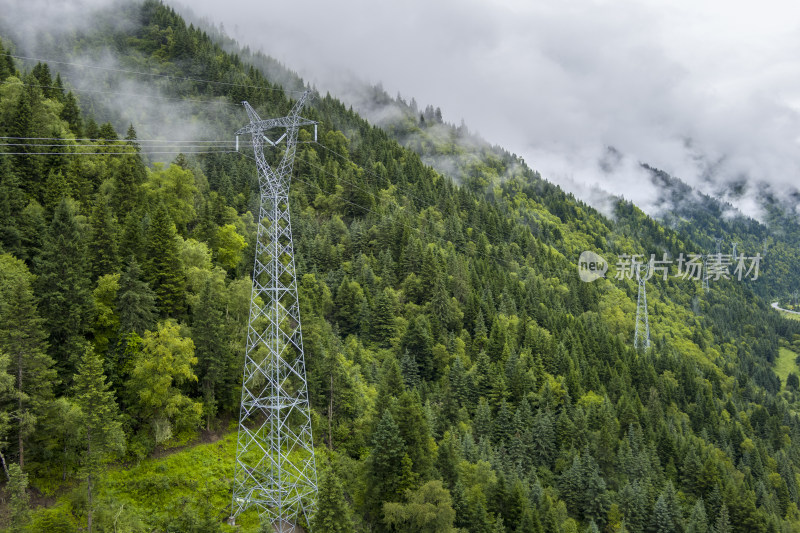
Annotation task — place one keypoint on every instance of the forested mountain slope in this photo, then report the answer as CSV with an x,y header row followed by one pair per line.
x,y
462,376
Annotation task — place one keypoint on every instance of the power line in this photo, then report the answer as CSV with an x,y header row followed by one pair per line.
x,y
137,95
63,145
167,76
122,153
136,141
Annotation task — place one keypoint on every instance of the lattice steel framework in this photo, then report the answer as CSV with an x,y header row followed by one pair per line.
x,y
275,468
641,337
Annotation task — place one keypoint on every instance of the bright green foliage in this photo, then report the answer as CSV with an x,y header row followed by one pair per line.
x,y
333,513
63,284
165,361
499,527
427,510
174,187
230,246
163,268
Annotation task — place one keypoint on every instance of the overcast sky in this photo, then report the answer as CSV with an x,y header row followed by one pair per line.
x,y
685,85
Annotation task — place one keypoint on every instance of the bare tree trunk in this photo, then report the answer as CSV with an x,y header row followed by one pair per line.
x,y
5,467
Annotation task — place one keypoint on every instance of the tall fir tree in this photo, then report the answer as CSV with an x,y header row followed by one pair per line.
x,y
19,502
135,302
100,426
64,289
387,469
163,268
333,513
212,350
22,339
103,256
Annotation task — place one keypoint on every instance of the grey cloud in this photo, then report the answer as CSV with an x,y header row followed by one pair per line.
x,y
709,92
557,82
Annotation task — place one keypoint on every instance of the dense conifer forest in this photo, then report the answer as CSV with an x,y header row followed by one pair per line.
x,y
462,377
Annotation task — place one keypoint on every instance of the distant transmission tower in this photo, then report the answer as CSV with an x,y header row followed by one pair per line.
x,y
735,244
642,335
275,468
705,274
719,245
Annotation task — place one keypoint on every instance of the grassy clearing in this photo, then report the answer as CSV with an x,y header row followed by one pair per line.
x,y
166,493
785,364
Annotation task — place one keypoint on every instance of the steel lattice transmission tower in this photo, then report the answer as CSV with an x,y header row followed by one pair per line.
x,y
735,244
275,468
641,336
705,274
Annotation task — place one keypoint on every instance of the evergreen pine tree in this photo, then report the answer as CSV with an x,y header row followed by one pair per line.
x,y
698,521
163,268
410,370
723,524
213,358
64,287
390,386
667,516
384,468
19,500
418,342
102,431
103,241
382,321
333,513
415,431
22,339
135,302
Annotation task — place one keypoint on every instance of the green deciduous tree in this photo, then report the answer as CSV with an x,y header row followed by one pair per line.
x,y
165,362
426,510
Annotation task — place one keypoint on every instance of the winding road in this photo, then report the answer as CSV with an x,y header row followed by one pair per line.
x,y
775,306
